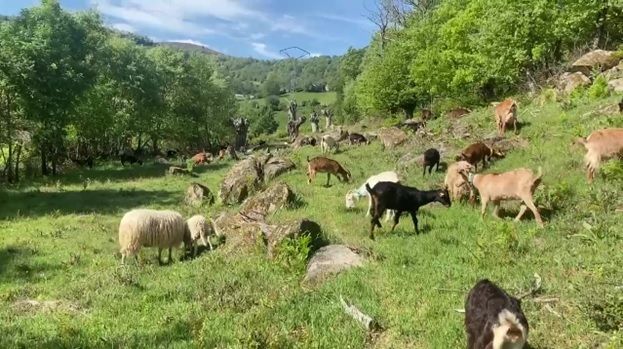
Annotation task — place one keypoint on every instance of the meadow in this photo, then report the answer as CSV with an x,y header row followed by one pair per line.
x,y
62,285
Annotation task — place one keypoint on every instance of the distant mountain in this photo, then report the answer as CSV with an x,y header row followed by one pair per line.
x,y
189,47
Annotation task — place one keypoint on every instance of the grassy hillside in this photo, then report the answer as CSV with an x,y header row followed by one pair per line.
x,y
59,245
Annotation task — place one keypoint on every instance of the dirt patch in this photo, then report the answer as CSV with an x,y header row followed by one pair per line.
x,y
49,306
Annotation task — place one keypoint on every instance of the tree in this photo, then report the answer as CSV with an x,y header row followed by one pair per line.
x,y
272,85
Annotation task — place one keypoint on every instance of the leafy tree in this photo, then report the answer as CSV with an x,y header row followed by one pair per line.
x,y
264,122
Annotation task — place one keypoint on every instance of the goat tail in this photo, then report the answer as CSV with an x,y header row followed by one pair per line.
x,y
539,173
370,190
537,180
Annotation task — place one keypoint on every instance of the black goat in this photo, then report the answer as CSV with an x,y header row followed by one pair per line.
x,y
493,319
394,196
356,138
431,158
129,158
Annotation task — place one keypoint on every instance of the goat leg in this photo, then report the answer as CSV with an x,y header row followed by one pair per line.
x,y
414,218
159,255
396,219
522,210
328,178
532,208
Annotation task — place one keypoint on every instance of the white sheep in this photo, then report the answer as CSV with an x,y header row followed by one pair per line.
x,y
353,195
200,229
151,228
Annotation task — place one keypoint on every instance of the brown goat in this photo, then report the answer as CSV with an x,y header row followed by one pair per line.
x,y
601,145
506,113
479,152
518,184
321,164
200,158
455,183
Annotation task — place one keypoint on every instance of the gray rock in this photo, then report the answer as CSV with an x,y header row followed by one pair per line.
x,y
391,137
570,81
197,194
597,59
331,260
616,85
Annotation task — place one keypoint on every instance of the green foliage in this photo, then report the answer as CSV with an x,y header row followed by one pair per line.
x,y
293,253
264,122
273,102
599,89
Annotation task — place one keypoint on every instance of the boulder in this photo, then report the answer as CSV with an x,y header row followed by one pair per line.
x,y
269,201
410,160
331,260
197,194
175,170
614,73
301,141
276,166
595,60
616,85
570,81
275,234
241,233
242,180
391,137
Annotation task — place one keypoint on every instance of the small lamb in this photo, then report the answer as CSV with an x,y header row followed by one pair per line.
x,y
355,194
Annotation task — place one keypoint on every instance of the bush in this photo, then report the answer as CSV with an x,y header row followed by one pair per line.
x,y
264,123
273,103
599,89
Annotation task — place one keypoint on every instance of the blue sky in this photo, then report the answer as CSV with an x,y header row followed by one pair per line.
x,y
255,28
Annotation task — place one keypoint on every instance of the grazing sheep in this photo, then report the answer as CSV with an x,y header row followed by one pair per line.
x,y
356,138
431,158
601,145
328,143
199,229
506,113
518,184
353,195
479,152
151,228
455,183
328,166
395,196
494,319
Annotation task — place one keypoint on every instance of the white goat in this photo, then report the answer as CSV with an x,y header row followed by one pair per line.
x,y
355,194
601,145
518,184
328,143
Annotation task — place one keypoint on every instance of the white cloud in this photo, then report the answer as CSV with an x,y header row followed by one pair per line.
x,y
262,49
257,36
363,22
315,54
289,24
124,27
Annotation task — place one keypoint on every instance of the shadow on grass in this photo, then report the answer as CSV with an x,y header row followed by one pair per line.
x,y
35,204
16,264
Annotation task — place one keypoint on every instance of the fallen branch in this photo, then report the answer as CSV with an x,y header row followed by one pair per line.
x,y
535,287
551,310
368,323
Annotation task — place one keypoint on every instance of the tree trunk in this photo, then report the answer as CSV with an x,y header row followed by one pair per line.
x,y
44,163
601,26
18,152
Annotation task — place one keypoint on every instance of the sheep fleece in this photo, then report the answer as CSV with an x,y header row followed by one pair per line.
x,y
199,229
150,228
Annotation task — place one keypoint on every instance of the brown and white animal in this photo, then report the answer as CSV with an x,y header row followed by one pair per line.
x,y
398,197
601,145
151,228
353,195
477,152
518,184
200,158
321,164
455,183
506,113
494,319
328,143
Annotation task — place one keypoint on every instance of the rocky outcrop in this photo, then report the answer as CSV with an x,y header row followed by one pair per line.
x,y
616,85
198,194
595,60
331,260
570,81
269,201
248,176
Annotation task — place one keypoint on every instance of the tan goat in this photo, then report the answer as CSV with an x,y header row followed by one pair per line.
x,y
455,182
321,164
518,184
601,145
506,113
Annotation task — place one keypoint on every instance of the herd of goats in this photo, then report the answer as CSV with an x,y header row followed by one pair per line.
x,y
493,318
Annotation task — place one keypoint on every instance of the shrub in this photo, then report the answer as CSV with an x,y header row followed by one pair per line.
x,y
264,123
599,89
292,253
273,103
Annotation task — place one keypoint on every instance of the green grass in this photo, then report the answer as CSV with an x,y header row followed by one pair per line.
x,y
58,242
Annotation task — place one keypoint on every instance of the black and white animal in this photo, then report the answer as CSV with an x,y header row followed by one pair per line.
x,y
398,197
431,158
493,319
356,138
